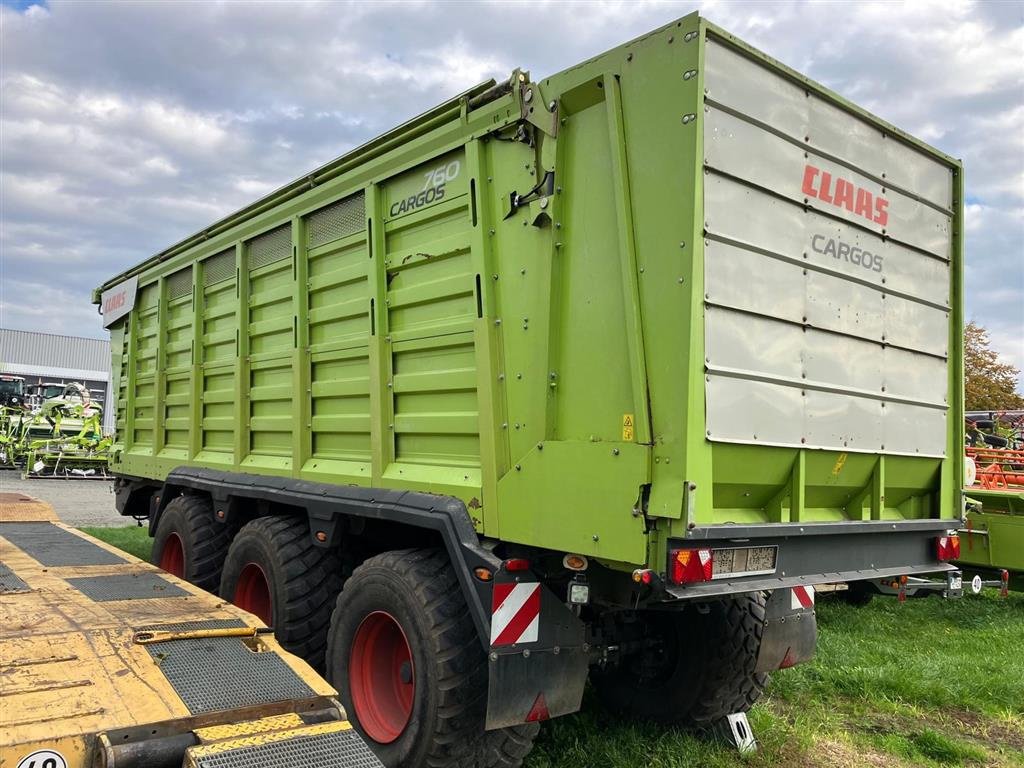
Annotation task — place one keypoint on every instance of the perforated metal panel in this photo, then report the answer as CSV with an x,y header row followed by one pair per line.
x,y
341,748
217,673
337,220
188,626
126,586
275,245
180,283
10,581
219,267
53,546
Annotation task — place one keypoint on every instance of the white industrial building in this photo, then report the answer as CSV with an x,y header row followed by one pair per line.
x,y
44,358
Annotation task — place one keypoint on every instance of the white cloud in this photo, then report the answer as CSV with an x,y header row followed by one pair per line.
x,y
125,127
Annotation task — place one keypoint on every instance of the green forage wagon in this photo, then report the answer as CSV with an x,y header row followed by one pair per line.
x,y
589,376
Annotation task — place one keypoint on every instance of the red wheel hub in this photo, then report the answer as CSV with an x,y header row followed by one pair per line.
x,y
382,677
172,558
252,593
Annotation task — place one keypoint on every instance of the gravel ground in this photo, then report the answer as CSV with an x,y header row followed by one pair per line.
x,y
76,502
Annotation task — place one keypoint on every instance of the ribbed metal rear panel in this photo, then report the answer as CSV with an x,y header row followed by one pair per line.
x,y
54,546
842,344
344,749
217,673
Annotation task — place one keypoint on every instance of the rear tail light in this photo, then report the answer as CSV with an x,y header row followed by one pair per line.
x,y
517,564
687,566
947,548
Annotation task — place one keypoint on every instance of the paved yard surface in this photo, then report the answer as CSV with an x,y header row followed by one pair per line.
x,y
77,502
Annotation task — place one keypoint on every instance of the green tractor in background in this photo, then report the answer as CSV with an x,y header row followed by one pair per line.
x,y
62,437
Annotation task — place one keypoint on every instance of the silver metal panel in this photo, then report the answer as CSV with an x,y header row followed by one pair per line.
x,y
839,305
837,420
743,411
742,279
916,326
736,277
916,377
746,342
827,276
913,429
760,346
744,85
839,361
745,151
769,413
749,215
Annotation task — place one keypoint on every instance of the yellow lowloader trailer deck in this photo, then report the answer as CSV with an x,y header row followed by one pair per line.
x,y
108,662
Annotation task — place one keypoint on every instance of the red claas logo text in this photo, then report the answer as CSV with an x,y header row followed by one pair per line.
x,y
845,194
114,302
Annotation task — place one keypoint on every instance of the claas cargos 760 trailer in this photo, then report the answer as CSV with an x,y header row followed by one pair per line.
x,y
107,663
591,375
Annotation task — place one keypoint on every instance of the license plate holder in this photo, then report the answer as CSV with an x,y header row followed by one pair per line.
x,y
736,562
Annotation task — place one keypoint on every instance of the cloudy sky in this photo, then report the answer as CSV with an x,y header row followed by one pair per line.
x,y
127,126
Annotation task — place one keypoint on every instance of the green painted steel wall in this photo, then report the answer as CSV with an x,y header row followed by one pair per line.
x,y
546,365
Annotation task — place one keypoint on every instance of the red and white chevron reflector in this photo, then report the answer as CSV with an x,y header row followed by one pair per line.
x,y
801,597
515,613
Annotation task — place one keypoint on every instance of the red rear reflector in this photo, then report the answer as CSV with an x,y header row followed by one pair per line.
x,y
517,564
690,565
947,548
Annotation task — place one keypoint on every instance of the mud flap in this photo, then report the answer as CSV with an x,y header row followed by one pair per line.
x,y
538,661
791,629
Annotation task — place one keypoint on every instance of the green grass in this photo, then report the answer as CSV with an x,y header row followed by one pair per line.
x,y
132,539
926,683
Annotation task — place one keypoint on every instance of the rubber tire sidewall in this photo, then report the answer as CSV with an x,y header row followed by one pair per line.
x,y
714,671
248,548
381,590
175,520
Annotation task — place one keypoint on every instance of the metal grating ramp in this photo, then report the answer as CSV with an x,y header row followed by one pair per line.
x,y
340,748
126,586
53,546
211,674
188,626
10,582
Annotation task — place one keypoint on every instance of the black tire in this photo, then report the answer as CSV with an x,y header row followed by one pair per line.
x,y
508,747
187,523
417,590
701,669
857,594
303,581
